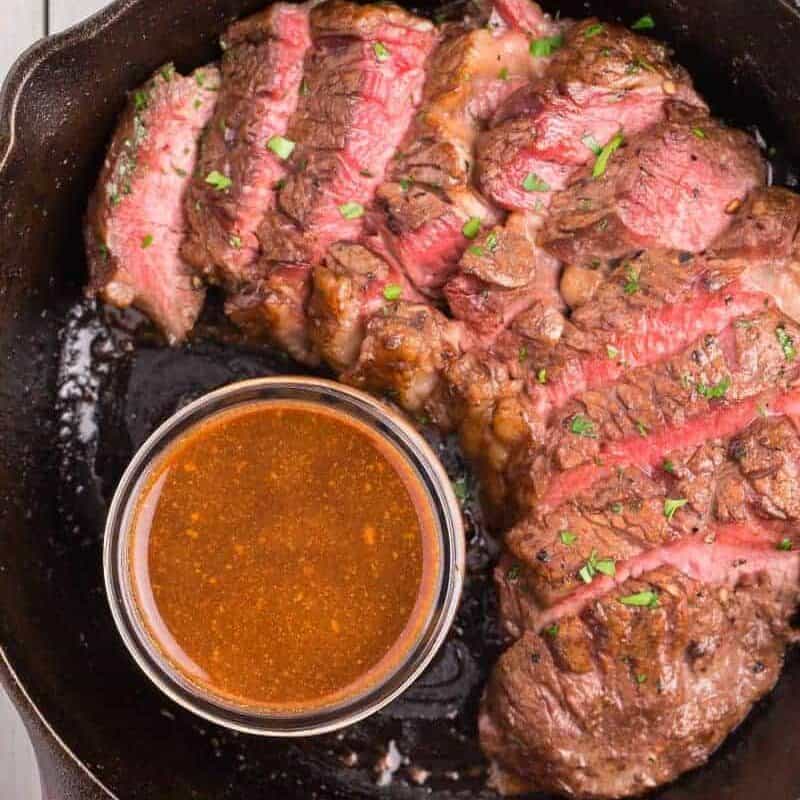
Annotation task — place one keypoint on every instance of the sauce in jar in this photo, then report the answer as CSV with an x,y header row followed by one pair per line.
x,y
283,556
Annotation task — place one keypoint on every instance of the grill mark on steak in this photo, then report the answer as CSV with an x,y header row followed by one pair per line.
x,y
363,78
135,219
595,86
262,67
667,187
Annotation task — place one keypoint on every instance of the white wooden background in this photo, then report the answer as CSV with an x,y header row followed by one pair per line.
x,y
23,22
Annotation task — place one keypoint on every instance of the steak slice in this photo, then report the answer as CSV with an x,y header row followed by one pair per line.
x,y
135,221
617,699
352,285
675,186
363,79
425,206
605,79
262,67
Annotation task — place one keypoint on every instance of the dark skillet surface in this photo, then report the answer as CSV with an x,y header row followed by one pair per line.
x,y
79,390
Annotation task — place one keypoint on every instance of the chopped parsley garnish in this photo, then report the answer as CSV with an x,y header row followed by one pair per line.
x,y
642,428
612,351
147,241
219,181
304,88
641,678
631,286
594,30
595,565
784,544
351,210
236,242
476,250
503,74
601,163
491,242
140,100
513,572
716,391
392,291
672,505
533,183
592,144
583,426
786,342
198,102
668,466
541,376
616,508
546,46
645,599
699,133
762,410
471,227
552,630
645,23
405,183
523,354
200,77
460,488
281,146
567,537
381,51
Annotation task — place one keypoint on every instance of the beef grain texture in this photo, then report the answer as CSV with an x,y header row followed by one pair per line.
x,y
135,222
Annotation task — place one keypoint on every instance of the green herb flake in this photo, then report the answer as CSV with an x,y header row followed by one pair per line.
x,y
784,544
533,183
523,354
541,376
671,505
699,133
631,285
351,210
147,241
405,184
477,250
585,574
491,242
460,489
198,102
219,181
762,410
281,146
641,678
503,74
392,291
645,23
200,77
546,46
594,30
716,391
552,630
786,342
644,599
595,565
601,162
592,144
471,227
305,90
513,573
668,466
612,351
568,538
583,426
642,428
381,51
616,508
606,566
140,100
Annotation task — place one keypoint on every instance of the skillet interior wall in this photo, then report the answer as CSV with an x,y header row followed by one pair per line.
x,y
54,625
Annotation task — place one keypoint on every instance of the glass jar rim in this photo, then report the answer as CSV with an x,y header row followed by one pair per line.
x,y
444,508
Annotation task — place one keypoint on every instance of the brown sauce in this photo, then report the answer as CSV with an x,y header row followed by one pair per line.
x,y
283,556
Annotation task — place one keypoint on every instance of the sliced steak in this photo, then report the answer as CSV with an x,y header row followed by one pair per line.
x,y
352,285
262,68
648,692
605,79
424,208
135,221
363,79
676,186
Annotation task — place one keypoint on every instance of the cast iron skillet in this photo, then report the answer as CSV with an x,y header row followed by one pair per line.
x,y
80,389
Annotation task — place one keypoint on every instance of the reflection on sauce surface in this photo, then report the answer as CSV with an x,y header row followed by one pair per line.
x,y
284,556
